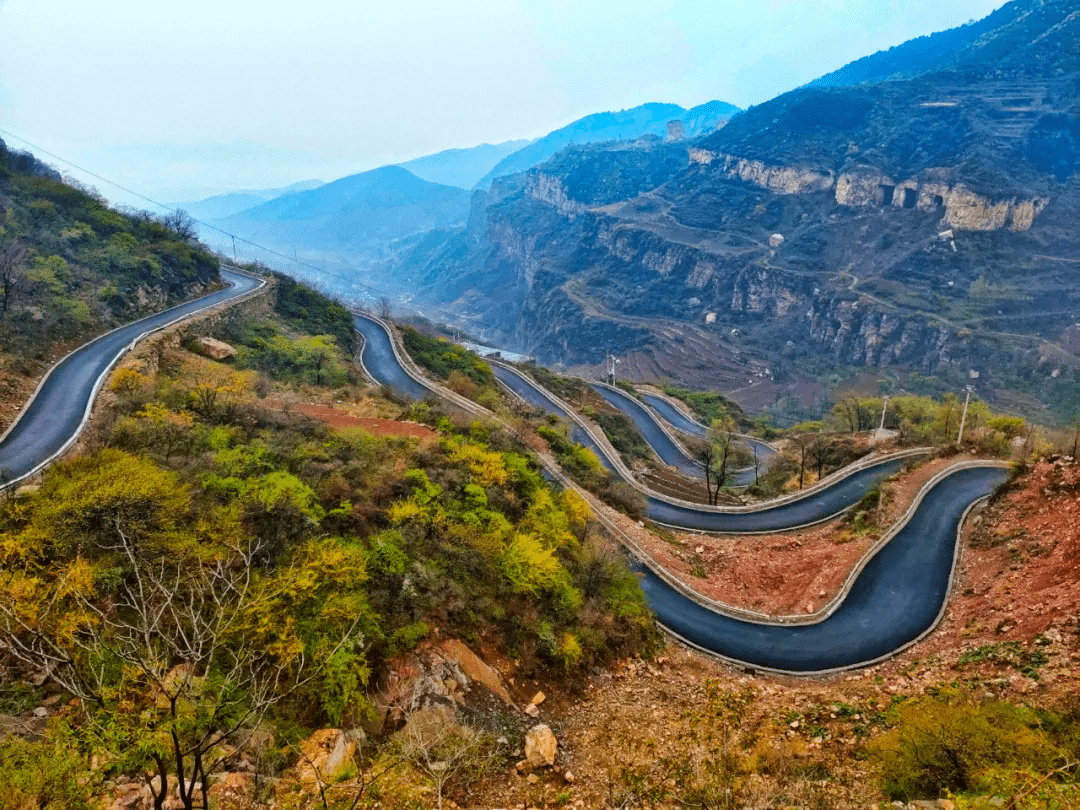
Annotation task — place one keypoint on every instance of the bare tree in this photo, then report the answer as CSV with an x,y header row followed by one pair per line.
x,y
715,453
170,641
704,452
385,310
804,448
13,257
442,749
182,224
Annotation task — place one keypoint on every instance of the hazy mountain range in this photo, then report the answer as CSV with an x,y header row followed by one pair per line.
x,y
914,213
357,220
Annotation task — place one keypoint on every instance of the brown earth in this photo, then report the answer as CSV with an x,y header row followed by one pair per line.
x,y
341,418
779,574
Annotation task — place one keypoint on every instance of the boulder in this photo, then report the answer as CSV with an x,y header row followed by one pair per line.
x,y
540,746
475,668
325,756
435,675
214,349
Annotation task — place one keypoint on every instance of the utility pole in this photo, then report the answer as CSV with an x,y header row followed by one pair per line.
x,y
234,249
963,417
883,408
611,369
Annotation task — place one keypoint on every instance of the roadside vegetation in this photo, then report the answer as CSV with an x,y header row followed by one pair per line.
x,y
71,267
212,566
463,371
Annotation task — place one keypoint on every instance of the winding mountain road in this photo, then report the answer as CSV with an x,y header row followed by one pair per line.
x,y
897,597
818,505
667,447
60,407
664,445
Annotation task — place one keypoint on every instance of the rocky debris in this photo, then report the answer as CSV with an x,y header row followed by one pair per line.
x,y
475,668
533,709
325,755
540,746
214,349
231,791
130,796
434,675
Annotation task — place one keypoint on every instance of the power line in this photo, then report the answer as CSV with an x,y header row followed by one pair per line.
x,y
232,236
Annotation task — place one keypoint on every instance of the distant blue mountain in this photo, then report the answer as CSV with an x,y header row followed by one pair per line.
x,y
625,125
462,167
359,216
225,205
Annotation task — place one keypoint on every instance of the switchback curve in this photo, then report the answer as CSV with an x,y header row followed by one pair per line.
x,y
60,407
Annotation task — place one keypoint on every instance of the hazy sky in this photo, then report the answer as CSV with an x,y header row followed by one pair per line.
x,y
183,100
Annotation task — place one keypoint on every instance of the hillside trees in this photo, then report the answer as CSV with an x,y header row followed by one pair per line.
x,y
172,638
13,258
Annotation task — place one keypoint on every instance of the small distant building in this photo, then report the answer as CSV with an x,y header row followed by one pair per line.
x,y
776,240
675,131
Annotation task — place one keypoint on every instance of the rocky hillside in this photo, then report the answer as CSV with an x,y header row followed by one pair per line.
x,y
922,225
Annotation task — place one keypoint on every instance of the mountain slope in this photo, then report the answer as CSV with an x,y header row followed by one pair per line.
x,y
648,119
462,167
678,271
352,220
225,205
910,58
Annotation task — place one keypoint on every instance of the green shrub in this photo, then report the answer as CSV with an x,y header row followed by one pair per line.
x,y
945,744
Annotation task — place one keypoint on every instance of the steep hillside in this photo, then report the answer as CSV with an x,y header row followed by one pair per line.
x,y
462,167
915,56
625,125
72,268
917,226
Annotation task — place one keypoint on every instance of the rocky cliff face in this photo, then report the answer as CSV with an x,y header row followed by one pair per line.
x,y
926,225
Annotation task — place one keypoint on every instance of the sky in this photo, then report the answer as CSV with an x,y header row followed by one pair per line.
x,y
183,100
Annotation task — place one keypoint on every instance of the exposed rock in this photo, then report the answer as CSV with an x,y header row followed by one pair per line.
x,y
532,710
214,349
325,755
432,676
430,725
549,189
538,698
475,668
540,746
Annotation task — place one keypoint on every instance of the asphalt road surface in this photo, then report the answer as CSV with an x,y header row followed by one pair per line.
x,y
666,450
895,599
56,412
379,359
